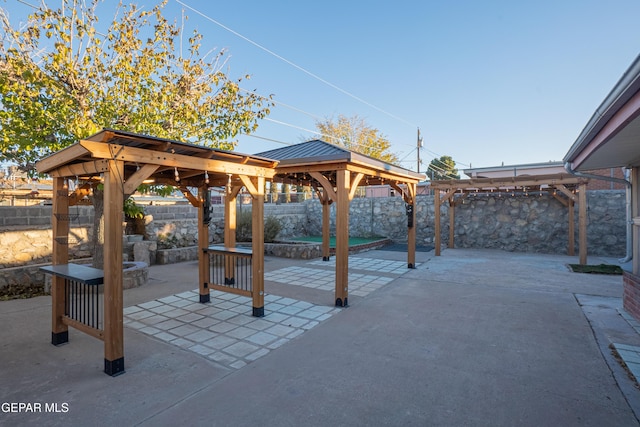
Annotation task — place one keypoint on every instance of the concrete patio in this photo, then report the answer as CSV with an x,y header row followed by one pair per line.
x,y
473,337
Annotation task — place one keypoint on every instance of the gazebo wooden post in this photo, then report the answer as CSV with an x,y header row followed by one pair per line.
x,y
326,196
203,244
60,231
436,226
342,238
230,230
582,223
326,227
113,304
257,246
255,186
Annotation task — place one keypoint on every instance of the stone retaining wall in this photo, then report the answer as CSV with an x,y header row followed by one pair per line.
x,y
20,247
296,251
520,223
172,256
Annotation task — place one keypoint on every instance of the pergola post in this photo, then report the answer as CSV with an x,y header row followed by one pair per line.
x,y
436,226
60,230
582,223
572,227
342,238
411,226
452,222
203,244
113,304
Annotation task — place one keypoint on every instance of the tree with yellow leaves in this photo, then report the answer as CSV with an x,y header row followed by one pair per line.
x,y
353,133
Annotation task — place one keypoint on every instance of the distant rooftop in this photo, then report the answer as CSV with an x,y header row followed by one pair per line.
x,y
544,168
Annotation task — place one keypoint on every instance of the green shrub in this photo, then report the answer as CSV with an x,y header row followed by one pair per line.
x,y
272,227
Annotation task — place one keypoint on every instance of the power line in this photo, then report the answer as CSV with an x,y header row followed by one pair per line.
x,y
304,70
252,135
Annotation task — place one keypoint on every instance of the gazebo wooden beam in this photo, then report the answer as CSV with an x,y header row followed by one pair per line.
x,y
79,194
140,155
355,181
94,167
196,202
62,157
136,179
326,185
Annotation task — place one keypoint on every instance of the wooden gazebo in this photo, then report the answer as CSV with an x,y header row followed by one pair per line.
x,y
121,161
335,173
567,189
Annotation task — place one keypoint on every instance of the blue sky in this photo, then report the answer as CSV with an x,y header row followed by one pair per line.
x,y
487,82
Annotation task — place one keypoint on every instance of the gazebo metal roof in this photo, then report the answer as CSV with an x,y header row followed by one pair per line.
x,y
88,157
317,155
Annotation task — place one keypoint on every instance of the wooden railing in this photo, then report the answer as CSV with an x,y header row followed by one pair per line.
x,y
83,297
230,270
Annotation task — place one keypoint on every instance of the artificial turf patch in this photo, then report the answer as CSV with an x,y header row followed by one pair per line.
x,y
596,269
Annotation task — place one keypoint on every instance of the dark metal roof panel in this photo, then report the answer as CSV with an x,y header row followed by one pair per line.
x,y
316,149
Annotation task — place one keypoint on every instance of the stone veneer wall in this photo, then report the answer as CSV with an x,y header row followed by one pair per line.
x,y
540,224
520,223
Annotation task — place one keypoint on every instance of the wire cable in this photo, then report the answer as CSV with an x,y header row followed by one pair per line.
x,y
304,70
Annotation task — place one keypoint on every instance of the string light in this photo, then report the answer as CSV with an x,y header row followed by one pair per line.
x,y
177,175
206,177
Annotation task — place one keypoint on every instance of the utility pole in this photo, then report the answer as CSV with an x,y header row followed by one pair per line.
x,y
418,148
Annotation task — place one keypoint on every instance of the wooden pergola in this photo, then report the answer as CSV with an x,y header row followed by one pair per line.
x,y
567,189
121,161
335,174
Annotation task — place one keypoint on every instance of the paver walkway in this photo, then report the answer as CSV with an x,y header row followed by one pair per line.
x,y
225,330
